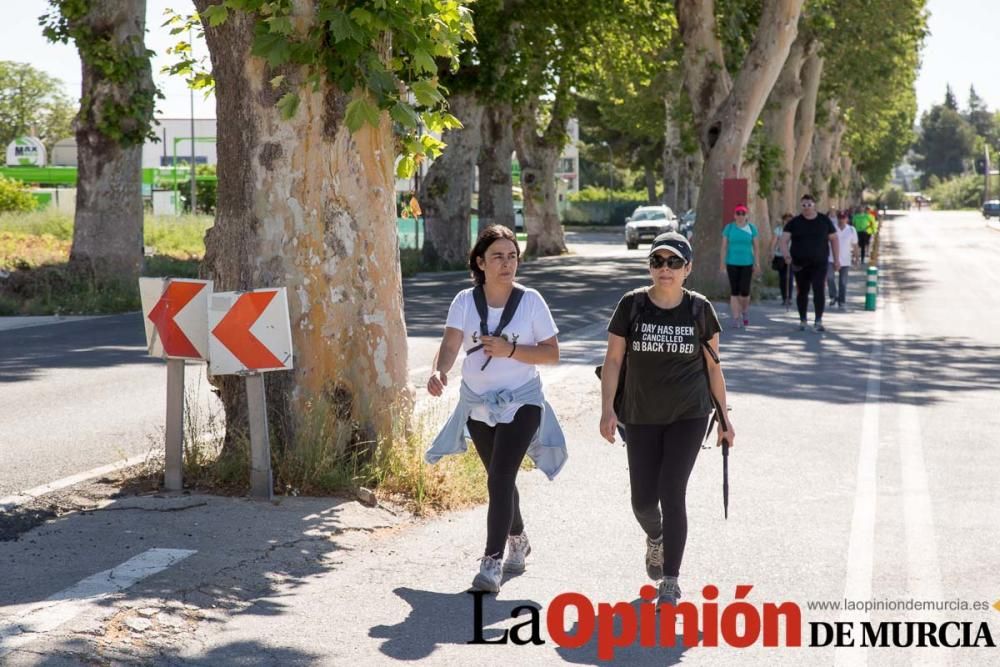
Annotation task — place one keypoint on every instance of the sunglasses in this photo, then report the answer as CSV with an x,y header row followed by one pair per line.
x,y
808,204
671,262
740,213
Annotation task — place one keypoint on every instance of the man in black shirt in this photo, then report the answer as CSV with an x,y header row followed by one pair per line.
x,y
811,236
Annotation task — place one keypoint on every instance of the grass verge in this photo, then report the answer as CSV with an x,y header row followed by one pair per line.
x,y
35,278
318,466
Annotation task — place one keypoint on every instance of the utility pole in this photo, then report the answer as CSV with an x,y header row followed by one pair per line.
x,y
194,186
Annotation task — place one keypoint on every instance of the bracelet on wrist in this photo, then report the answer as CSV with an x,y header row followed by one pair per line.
x,y
512,349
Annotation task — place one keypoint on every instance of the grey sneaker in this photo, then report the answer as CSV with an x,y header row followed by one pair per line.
x,y
802,325
819,326
670,591
517,549
654,558
489,575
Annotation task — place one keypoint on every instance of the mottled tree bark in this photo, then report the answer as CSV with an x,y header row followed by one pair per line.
x,y
305,204
805,121
496,197
779,124
107,225
538,155
446,192
725,111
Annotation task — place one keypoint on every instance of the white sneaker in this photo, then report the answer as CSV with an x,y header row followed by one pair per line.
x,y
517,550
489,575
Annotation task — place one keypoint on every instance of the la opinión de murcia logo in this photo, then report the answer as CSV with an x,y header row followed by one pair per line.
x,y
738,624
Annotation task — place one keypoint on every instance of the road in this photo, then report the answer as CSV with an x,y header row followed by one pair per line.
x,y
865,469
83,394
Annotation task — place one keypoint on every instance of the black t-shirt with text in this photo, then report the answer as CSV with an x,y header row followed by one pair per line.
x,y
665,377
810,238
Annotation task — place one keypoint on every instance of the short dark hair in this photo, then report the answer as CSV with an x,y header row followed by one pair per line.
x,y
808,196
485,240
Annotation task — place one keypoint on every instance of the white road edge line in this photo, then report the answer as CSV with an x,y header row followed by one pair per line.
x,y
923,580
62,607
10,502
861,548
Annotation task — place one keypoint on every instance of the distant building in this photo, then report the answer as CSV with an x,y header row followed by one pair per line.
x,y
174,136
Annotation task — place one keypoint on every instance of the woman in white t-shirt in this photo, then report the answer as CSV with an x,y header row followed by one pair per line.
x,y
501,389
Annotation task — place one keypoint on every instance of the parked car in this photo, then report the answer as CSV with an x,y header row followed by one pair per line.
x,y
646,223
991,209
686,225
518,216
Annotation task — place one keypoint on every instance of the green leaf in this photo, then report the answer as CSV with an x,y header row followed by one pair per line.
x,y
404,115
216,15
406,166
426,92
277,81
288,105
423,62
359,111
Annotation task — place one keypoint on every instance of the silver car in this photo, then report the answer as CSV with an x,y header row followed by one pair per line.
x,y
648,222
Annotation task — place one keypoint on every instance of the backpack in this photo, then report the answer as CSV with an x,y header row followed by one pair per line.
x,y
638,305
509,309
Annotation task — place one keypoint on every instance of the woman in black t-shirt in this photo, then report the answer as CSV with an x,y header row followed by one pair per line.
x,y
667,399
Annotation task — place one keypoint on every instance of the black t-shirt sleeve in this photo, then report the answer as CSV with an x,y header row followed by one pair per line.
x,y
789,226
830,227
619,323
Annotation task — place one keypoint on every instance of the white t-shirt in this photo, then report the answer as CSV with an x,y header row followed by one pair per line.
x,y
532,322
847,238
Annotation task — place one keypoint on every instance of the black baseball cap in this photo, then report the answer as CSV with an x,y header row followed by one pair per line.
x,y
675,243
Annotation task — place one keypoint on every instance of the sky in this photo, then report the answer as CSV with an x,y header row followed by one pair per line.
x,y
962,49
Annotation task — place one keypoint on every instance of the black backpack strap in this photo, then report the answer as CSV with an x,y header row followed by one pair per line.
x,y
638,305
698,314
509,309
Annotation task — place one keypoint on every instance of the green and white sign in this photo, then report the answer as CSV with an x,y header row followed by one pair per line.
x,y
26,152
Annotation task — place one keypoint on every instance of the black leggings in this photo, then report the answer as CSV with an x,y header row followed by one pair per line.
x,y
660,460
810,275
501,449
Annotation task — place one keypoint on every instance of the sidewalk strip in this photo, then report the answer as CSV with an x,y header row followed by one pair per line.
x,y
49,614
10,502
860,550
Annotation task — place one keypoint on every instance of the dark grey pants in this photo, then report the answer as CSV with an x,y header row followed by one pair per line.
x,y
837,285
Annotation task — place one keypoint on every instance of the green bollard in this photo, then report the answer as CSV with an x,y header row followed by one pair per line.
x,y
871,291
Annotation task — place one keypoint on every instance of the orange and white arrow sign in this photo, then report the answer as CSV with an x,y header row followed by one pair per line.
x,y
175,314
251,332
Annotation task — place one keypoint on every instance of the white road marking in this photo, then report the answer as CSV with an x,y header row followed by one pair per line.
x,y
10,502
923,580
861,548
49,614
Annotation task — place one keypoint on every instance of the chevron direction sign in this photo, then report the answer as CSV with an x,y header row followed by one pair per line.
x,y
174,314
250,332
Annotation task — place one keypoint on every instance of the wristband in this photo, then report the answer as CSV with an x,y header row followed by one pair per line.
x,y
512,350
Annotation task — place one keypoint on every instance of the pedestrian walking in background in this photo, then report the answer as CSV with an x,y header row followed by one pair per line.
x,y
507,331
861,224
778,262
740,260
666,401
805,244
836,281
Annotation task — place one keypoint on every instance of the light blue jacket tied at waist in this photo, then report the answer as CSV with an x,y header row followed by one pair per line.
x,y
548,445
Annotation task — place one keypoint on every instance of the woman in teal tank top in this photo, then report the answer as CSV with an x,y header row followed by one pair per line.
x,y
740,260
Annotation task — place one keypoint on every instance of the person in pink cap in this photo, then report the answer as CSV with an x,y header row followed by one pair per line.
x,y
740,260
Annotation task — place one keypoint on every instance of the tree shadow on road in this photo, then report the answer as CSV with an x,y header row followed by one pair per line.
x,y
441,618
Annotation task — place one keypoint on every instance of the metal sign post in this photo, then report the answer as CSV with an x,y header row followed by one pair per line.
x,y
261,483
175,315
251,334
173,469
